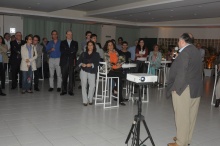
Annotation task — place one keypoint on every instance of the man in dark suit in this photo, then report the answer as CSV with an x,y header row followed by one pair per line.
x,y
185,85
68,49
15,59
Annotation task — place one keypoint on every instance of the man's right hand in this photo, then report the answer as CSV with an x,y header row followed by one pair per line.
x,y
52,49
83,65
119,65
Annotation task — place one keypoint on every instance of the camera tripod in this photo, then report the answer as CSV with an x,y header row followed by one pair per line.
x,y
135,128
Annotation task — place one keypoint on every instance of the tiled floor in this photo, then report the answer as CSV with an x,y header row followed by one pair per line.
x,y
47,119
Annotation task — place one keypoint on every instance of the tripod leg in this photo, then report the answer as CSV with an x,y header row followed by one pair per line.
x,y
148,132
129,134
138,133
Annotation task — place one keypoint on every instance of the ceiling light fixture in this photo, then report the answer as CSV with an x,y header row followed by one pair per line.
x,y
171,10
38,3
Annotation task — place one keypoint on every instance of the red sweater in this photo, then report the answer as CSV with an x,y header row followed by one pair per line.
x,y
137,52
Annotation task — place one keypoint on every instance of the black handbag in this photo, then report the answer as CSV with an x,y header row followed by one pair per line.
x,y
78,68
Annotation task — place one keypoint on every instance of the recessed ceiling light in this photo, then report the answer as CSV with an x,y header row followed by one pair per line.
x,y
38,3
152,18
171,10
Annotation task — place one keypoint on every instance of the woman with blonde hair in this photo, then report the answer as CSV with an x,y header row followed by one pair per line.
x,y
155,60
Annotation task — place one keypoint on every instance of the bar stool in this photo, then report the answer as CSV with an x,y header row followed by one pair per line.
x,y
42,66
106,88
214,89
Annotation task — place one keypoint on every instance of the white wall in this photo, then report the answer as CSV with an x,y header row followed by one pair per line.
x,y
13,22
1,25
107,32
7,22
175,32
149,32
198,33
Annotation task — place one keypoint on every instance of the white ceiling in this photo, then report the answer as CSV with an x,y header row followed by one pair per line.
x,y
133,11
41,5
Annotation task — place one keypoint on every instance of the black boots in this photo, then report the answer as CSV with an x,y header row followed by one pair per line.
x,y
217,102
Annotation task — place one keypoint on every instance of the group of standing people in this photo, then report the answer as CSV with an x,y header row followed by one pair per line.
x,y
26,61
184,84
19,56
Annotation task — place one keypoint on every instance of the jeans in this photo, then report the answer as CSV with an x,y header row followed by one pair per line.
x,y
26,79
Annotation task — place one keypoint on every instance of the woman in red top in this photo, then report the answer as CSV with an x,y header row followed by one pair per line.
x,y
141,52
114,66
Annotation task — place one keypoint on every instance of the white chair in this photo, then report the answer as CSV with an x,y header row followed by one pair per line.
x,y
7,75
216,78
158,72
42,66
148,66
106,88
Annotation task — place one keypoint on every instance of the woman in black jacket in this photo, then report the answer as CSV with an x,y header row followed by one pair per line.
x,y
88,61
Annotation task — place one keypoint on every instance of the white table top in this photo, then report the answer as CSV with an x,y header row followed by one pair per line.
x,y
166,61
163,61
129,65
142,58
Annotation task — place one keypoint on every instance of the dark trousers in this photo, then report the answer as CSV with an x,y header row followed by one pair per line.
x,y
46,69
2,74
141,67
67,71
15,70
119,74
36,77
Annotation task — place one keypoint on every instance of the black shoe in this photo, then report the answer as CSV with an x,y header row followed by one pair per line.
x,y
122,103
13,88
36,89
62,93
217,102
58,89
79,87
85,104
125,100
2,94
71,93
51,89
90,103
